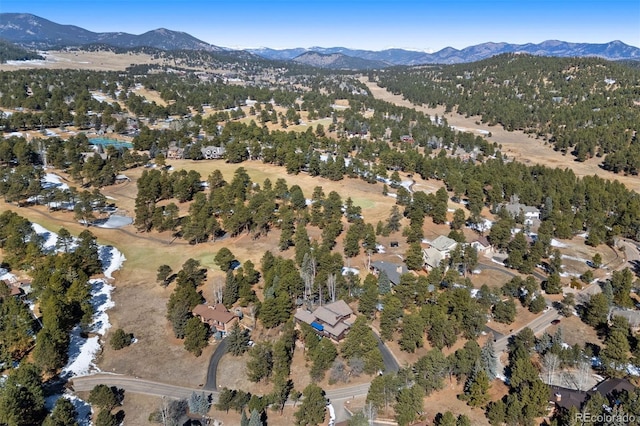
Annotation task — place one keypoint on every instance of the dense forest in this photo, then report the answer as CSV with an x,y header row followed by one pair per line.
x,y
583,106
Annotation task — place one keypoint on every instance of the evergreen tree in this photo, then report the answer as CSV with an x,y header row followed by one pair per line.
x,y
489,360
369,296
412,332
384,284
255,419
413,257
199,403
409,405
231,291
164,271
476,392
237,341
195,336
260,363
312,409
63,414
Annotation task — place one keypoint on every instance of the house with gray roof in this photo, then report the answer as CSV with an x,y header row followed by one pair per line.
x,y
439,249
332,320
393,270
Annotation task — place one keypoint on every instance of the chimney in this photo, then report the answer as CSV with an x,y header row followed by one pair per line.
x,y
558,397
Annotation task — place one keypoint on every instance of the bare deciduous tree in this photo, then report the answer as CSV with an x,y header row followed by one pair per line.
x,y
550,362
331,286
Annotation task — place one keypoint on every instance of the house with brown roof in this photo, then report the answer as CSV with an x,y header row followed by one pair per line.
x,y
481,244
218,317
332,320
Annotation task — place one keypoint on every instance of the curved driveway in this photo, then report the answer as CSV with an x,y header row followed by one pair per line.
x,y
212,371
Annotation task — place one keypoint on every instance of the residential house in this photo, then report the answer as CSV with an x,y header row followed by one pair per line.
x,y
431,258
332,320
212,152
515,208
175,153
218,317
609,388
633,316
439,249
393,270
481,244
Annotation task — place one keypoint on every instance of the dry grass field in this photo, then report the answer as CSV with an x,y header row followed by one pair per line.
x,y
98,61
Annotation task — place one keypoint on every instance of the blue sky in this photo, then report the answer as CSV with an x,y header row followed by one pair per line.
x,y
363,24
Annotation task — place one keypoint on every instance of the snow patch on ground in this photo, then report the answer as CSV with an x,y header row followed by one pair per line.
x,y
82,408
579,259
113,222
54,181
5,275
556,243
347,270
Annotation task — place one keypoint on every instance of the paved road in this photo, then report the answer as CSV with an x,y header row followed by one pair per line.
x,y
212,371
135,385
390,363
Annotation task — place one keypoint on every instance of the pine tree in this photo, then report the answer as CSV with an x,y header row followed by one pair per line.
x,y
413,257
195,336
476,393
231,291
369,297
384,284
237,341
255,419
63,414
489,360
312,409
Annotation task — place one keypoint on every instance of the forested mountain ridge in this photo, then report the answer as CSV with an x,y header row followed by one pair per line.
x,y
32,30
583,106
337,61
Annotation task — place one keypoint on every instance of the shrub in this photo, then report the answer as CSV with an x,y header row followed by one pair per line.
x,y
120,339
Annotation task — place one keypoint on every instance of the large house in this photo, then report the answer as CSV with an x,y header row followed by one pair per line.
x,y
439,249
218,317
332,320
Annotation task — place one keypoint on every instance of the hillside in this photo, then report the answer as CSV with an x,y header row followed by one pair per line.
x,y
11,52
337,61
586,107
31,30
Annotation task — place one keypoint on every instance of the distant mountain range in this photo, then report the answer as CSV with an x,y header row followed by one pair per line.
x,y
32,31
615,50
35,32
